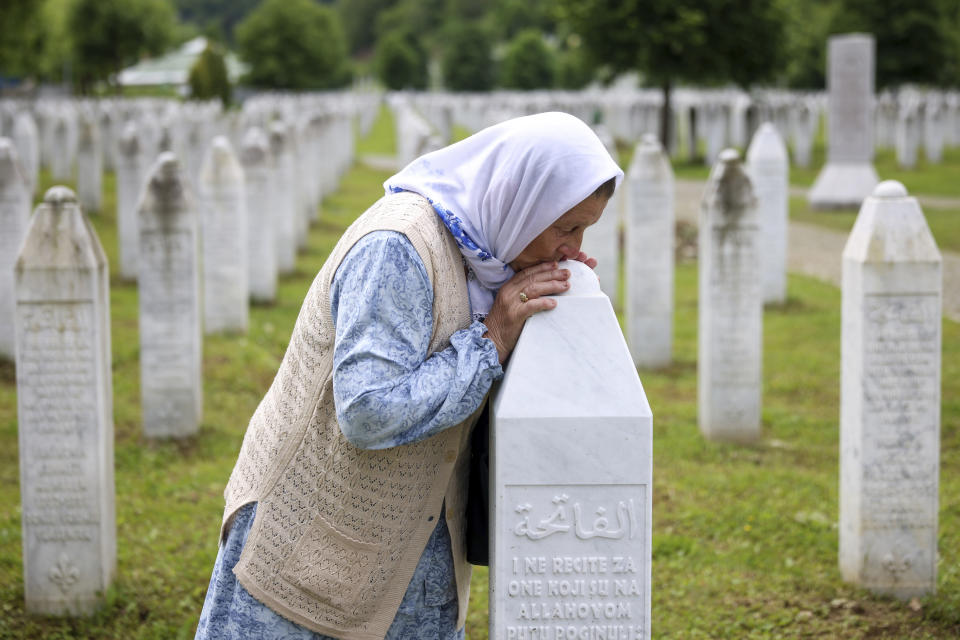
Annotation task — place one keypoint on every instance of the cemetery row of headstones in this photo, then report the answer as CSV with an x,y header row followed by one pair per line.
x,y
210,233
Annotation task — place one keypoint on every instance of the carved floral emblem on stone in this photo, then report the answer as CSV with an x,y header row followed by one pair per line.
x,y
64,574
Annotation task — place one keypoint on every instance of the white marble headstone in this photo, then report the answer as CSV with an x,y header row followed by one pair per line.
x,y
602,240
89,165
730,327
890,397
130,173
571,478
649,244
65,411
223,215
261,218
27,140
848,176
171,387
283,200
769,169
14,217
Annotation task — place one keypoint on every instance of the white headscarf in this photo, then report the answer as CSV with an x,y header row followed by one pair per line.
x,y
502,187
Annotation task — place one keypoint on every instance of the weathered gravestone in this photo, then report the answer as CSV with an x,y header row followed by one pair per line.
x,y
261,218
14,217
223,217
64,410
283,200
61,152
131,169
730,327
650,255
571,474
890,397
89,164
848,176
769,170
169,290
27,140
602,240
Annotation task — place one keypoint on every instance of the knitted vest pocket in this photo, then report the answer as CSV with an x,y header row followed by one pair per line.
x,y
335,568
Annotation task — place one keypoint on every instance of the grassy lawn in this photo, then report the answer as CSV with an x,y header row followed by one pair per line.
x,y
745,540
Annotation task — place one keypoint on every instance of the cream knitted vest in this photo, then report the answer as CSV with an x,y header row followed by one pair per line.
x,y
339,530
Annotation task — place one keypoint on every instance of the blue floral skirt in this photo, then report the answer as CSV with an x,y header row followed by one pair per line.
x,y
231,613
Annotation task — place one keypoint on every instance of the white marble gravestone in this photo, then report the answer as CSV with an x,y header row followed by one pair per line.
x,y
89,164
649,246
14,217
602,240
130,173
171,387
890,397
283,199
730,327
848,176
769,169
223,216
261,216
61,152
571,474
65,410
27,140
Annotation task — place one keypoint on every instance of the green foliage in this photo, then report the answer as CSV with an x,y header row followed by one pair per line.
x,y
21,36
806,42
529,63
216,19
467,62
208,77
916,41
401,64
107,35
294,44
575,70
359,23
510,17
698,41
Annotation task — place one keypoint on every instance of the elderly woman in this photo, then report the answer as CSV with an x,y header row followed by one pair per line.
x,y
344,513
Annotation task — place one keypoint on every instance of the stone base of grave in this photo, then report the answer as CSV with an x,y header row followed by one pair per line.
x,y
842,185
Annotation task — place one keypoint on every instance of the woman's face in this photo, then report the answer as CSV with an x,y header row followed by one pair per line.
x,y
562,239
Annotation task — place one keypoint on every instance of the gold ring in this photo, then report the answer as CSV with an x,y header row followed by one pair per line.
x,y
523,297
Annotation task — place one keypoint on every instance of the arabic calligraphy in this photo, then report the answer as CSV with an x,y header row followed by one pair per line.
x,y
558,521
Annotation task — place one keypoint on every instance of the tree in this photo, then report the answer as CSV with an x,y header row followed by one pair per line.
x,y
358,21
293,44
21,37
574,68
110,34
673,41
914,38
529,63
400,63
215,18
467,63
208,77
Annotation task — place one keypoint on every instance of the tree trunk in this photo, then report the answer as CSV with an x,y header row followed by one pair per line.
x,y
666,119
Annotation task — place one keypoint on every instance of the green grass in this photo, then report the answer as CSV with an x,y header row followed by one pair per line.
x,y
744,541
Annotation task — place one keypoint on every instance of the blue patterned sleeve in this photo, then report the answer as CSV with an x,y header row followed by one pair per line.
x,y
386,390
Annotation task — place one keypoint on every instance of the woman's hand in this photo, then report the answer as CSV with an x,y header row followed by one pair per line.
x,y
509,312
587,260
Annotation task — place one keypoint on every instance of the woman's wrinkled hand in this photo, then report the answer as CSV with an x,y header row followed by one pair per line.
x,y
509,312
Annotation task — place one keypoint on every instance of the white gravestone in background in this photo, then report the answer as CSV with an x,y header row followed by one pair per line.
x,y
890,398
61,159
848,176
223,218
14,217
130,176
89,165
283,200
27,139
261,216
571,473
65,411
730,327
602,239
649,246
169,292
769,169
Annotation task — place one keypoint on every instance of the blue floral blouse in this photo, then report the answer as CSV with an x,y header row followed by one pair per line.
x,y
387,393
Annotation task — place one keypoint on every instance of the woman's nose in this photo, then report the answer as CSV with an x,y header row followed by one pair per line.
x,y
570,251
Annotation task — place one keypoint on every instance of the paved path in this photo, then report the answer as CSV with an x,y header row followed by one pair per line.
x,y
817,251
